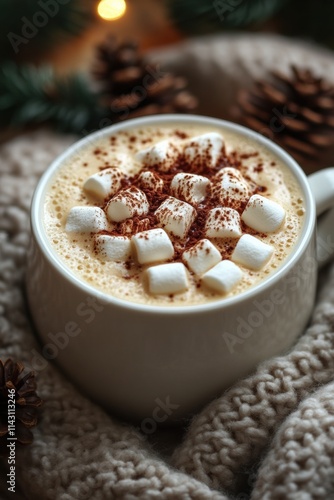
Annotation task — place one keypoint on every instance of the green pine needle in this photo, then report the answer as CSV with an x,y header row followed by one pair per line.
x,y
34,25
30,95
203,16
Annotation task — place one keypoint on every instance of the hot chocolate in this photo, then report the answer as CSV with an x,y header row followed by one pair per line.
x,y
165,216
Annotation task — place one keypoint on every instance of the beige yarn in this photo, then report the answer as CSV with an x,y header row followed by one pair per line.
x,y
80,452
218,66
302,456
233,430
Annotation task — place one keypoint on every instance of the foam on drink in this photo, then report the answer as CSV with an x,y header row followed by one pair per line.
x,y
219,186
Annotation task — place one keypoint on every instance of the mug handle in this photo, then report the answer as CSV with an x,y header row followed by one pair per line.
x,y
322,187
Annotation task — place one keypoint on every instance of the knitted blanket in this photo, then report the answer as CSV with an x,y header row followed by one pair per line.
x,y
271,436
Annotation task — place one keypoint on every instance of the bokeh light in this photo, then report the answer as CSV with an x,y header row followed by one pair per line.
x,y
110,10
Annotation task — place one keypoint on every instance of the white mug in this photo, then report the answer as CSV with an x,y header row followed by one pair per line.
x,y
158,365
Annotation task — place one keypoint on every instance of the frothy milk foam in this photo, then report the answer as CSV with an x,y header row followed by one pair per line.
x,y
264,175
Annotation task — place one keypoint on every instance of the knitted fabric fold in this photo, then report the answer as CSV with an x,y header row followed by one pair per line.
x,y
300,463
79,451
233,431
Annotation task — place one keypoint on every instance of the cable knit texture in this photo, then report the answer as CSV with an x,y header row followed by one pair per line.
x,y
268,437
79,452
234,430
302,456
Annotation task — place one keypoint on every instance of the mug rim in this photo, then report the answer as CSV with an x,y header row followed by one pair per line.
x,y
41,238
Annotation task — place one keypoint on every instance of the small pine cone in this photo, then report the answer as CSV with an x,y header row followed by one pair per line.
x,y
295,111
133,87
19,388
113,57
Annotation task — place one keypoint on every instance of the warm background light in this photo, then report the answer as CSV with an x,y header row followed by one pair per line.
x,y
111,10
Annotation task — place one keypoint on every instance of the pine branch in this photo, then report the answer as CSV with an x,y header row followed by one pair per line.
x,y
201,16
30,95
34,25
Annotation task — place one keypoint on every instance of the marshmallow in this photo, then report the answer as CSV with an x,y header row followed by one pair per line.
x,y
252,252
223,222
86,220
204,149
161,155
131,226
263,215
116,248
150,180
223,277
127,203
152,246
230,187
190,187
167,278
201,257
175,216
104,183
229,172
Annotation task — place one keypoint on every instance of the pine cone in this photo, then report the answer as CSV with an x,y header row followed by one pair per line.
x,y
25,399
296,111
134,87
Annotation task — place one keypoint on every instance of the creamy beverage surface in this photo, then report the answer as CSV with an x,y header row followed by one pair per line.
x,y
221,230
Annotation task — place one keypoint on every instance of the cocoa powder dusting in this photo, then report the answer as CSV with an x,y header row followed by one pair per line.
x,y
180,134
258,168
199,166
246,156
